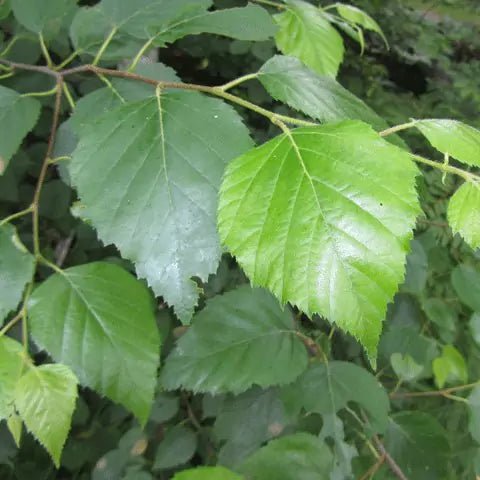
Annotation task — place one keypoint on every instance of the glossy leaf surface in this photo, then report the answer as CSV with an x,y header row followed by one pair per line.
x,y
311,216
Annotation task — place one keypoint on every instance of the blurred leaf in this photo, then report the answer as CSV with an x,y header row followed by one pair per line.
x,y
290,458
419,444
466,282
450,367
16,269
405,367
207,473
176,448
474,413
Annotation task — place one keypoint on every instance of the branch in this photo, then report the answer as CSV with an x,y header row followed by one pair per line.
x,y
444,392
391,462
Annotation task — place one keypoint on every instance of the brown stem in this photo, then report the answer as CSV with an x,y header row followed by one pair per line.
x,y
45,165
391,462
374,468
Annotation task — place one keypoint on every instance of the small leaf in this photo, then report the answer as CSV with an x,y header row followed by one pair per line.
x,y
11,364
42,16
474,411
207,473
245,326
450,367
466,282
474,325
318,96
419,444
459,140
416,272
405,367
443,316
45,400
298,456
245,421
18,115
177,447
15,426
310,216
341,383
359,17
98,319
305,33
464,213
16,269
158,204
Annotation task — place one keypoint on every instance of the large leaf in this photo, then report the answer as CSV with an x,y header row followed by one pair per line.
x,y
207,473
305,32
466,282
459,140
313,216
319,96
243,327
42,16
464,213
327,388
300,456
18,115
11,364
45,399
419,444
16,269
163,160
98,319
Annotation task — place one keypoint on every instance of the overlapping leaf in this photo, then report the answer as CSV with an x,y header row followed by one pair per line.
x,y
459,140
327,388
45,399
464,213
295,456
18,116
11,363
243,327
162,161
98,319
312,216
305,32
16,269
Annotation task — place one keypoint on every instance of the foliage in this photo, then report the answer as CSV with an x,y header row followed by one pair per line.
x,y
138,201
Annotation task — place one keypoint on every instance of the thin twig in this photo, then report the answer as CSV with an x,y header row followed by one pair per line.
x,y
391,462
374,468
435,393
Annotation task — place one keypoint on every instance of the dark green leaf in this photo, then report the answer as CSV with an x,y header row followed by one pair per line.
x,y
245,326
167,156
98,319
299,456
466,282
176,448
16,269
18,115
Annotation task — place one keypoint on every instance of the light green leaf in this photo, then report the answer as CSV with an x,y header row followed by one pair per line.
x,y
311,216
245,326
464,213
98,319
419,445
305,32
318,96
11,363
341,383
16,269
405,367
359,17
450,367
15,426
165,158
207,473
177,447
18,115
474,410
45,399
42,16
300,456
459,140
244,422
466,282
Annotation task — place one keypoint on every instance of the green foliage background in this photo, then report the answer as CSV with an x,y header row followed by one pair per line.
x,y
431,339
